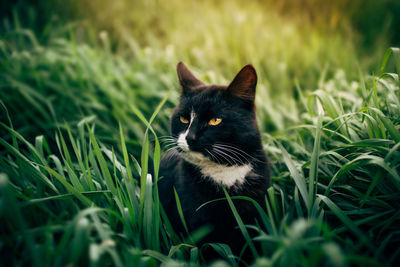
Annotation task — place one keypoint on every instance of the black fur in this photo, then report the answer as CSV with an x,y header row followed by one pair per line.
x,y
234,104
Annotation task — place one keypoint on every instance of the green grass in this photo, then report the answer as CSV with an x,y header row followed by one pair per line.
x,y
80,119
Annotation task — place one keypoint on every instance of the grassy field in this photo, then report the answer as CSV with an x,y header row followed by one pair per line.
x,y
86,90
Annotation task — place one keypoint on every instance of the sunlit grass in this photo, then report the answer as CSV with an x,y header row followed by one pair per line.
x,y
80,115
76,200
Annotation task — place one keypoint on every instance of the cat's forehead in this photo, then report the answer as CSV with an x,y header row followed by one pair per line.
x,y
209,98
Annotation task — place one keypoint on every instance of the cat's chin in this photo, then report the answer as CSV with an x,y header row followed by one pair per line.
x,y
195,157
199,159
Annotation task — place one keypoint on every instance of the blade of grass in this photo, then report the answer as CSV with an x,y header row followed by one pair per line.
x,y
240,224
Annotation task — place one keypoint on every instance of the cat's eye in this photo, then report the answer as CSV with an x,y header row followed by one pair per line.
x,y
183,120
215,121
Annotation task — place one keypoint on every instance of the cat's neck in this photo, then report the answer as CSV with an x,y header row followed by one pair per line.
x,y
226,175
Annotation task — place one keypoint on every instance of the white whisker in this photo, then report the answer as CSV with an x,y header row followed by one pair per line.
x,y
213,156
226,156
220,145
234,154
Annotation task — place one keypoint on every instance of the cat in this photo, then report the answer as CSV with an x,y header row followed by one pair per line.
x,y
216,144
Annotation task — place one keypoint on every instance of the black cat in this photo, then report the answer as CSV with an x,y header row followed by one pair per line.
x,y
216,144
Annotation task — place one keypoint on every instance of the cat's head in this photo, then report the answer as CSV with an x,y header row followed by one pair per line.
x,y
216,122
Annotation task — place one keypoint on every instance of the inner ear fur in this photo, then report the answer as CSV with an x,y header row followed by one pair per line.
x,y
244,84
186,78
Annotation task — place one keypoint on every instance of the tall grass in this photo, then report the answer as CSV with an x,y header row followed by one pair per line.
x,y
79,123
334,197
46,86
97,59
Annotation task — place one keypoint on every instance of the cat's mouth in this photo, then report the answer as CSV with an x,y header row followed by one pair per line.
x,y
219,153
204,156
183,146
193,154
196,157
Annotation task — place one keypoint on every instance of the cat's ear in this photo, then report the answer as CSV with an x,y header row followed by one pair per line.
x,y
244,84
186,78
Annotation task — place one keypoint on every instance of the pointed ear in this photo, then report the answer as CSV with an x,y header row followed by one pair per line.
x,y
186,78
244,84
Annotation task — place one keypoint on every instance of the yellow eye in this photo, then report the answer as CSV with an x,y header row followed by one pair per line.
x,y
183,119
214,121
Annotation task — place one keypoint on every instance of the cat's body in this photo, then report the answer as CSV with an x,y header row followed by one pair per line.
x,y
218,144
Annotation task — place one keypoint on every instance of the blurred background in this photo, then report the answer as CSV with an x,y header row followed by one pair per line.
x,y
63,61
328,106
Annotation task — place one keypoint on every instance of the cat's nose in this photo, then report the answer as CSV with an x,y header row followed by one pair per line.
x,y
190,139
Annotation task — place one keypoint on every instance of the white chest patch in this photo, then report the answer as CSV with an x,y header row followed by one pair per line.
x,y
221,174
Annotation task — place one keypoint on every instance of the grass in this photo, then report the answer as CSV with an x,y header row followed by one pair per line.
x,y
80,122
